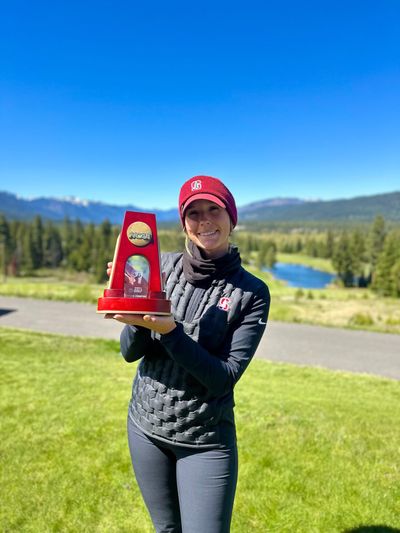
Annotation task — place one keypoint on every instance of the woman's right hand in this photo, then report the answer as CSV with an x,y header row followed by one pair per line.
x,y
109,268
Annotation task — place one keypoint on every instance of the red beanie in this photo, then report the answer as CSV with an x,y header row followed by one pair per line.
x,y
206,188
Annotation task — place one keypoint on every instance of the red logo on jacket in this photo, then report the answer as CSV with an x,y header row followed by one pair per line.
x,y
224,303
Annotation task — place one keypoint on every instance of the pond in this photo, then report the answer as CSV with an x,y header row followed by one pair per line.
x,y
301,276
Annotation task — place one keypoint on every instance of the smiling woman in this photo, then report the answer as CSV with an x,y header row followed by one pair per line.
x,y
181,428
208,226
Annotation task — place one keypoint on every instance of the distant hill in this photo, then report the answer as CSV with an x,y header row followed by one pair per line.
x,y
362,208
15,207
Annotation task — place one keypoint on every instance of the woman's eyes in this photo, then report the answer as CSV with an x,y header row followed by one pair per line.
x,y
214,210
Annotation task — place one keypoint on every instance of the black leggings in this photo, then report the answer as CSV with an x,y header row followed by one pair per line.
x,y
185,490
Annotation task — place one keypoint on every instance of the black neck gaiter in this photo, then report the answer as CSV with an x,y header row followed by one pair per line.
x,y
199,270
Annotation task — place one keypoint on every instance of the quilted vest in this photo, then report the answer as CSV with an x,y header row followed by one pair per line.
x,y
168,403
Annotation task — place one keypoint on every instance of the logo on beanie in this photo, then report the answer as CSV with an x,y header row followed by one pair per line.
x,y
195,185
224,304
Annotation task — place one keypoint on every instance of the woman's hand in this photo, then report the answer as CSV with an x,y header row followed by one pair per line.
x,y
160,324
109,268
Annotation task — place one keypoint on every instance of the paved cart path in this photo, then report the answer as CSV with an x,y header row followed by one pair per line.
x,y
339,349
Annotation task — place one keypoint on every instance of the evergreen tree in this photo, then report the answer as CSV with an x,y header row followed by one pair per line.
x,y
266,255
52,246
298,246
67,240
28,249
36,244
395,279
311,247
81,257
329,244
5,245
342,260
105,245
270,257
376,239
357,248
386,274
17,232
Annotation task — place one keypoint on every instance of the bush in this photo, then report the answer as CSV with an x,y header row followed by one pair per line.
x,y
361,319
83,294
391,321
298,294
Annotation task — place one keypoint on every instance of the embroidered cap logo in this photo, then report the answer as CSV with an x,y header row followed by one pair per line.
x,y
195,185
224,304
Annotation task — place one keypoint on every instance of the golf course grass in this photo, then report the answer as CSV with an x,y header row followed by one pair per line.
x,y
318,450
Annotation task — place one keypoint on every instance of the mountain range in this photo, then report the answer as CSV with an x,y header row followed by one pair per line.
x,y
361,208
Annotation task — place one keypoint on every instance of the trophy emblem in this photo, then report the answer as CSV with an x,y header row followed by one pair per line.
x,y
135,284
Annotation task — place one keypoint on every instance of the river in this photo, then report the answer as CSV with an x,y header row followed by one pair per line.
x,y
301,276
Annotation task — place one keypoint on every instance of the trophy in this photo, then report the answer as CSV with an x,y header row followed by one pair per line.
x,y
135,285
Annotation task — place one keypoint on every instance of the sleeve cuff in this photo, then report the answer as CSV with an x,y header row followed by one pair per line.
x,y
172,335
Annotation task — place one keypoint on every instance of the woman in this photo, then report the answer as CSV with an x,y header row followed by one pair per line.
x,y
181,426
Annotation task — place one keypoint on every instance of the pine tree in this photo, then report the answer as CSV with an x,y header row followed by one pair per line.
x,y
266,255
36,244
385,279
28,251
376,239
5,245
105,244
52,246
17,232
357,248
67,240
395,279
329,244
342,260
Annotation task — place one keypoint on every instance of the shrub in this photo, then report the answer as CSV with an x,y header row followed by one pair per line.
x,y
361,319
83,294
298,294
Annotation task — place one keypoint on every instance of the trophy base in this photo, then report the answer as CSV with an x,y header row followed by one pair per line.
x,y
134,306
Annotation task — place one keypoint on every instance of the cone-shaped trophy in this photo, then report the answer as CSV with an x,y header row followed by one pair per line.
x,y
136,285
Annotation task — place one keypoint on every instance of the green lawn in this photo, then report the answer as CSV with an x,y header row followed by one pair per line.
x,y
319,450
52,288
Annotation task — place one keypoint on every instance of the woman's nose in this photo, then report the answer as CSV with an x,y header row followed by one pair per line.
x,y
204,217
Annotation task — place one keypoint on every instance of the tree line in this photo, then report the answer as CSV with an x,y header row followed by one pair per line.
x,y
361,257
27,246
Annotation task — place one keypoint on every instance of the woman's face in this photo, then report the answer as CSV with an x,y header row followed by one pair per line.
x,y
208,226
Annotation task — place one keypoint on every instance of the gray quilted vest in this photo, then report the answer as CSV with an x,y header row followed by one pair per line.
x,y
167,402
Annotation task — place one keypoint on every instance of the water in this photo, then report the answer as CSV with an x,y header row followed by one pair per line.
x,y
301,276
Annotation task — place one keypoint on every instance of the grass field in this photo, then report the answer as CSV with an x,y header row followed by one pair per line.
x,y
319,450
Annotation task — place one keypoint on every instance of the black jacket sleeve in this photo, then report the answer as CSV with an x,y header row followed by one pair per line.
x,y
219,374
135,342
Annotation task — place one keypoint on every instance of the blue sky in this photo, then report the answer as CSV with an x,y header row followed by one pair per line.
x,y
121,102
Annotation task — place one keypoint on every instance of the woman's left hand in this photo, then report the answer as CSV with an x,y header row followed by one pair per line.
x,y
160,324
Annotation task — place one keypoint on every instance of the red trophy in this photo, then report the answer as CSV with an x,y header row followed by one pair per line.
x,y
135,285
